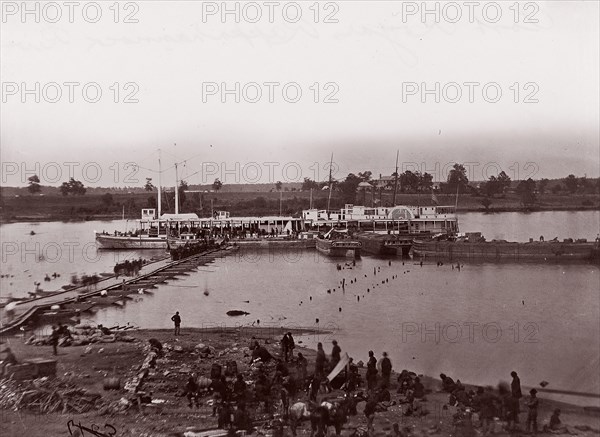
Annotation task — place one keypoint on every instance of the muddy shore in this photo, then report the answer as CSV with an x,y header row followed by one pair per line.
x,y
88,367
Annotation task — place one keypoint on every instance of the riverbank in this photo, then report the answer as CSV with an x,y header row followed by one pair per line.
x,y
94,207
195,351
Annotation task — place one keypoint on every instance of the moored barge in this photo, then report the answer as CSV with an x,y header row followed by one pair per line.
x,y
385,244
496,251
337,244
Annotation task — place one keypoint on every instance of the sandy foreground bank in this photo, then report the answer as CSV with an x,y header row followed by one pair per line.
x,y
88,366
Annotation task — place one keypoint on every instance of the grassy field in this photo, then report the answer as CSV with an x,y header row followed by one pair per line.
x,y
93,207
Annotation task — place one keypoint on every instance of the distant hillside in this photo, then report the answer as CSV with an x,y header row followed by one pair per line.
x,y
226,188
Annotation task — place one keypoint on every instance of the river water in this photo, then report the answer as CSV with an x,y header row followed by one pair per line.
x,y
477,324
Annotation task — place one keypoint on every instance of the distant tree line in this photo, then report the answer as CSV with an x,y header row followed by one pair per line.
x,y
347,189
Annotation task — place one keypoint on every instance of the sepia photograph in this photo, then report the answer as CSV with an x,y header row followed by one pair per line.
x,y
312,218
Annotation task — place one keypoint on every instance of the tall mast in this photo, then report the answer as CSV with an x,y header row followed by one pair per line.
x,y
396,179
310,207
159,186
330,187
176,191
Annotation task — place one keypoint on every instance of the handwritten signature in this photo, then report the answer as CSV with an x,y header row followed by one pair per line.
x,y
76,430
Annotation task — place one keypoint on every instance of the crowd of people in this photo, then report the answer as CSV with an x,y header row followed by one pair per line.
x,y
129,268
505,404
286,383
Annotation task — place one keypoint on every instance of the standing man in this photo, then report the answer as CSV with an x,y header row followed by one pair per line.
x,y
515,388
336,352
177,321
320,361
371,371
386,370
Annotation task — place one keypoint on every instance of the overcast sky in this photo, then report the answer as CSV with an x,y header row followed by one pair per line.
x,y
368,57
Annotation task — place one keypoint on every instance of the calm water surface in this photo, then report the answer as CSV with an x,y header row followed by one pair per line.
x,y
476,324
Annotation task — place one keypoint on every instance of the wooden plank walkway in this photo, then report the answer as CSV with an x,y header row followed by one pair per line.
x,y
157,271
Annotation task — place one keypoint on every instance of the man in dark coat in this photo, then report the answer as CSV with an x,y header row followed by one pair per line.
x,y
176,319
336,352
515,388
386,370
260,352
320,362
371,371
448,383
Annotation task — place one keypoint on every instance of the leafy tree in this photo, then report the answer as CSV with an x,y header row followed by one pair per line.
x,y
77,187
572,183
365,176
496,185
503,181
309,184
556,188
348,187
217,185
152,202
148,186
72,187
409,181
278,185
34,184
425,181
457,178
64,188
526,189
